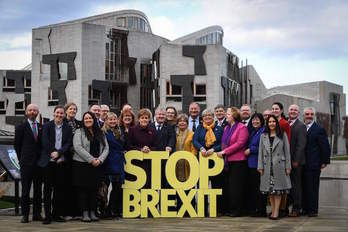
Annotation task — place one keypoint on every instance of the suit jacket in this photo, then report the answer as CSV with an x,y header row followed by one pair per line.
x,y
238,143
165,137
224,123
279,156
298,142
49,140
317,148
27,148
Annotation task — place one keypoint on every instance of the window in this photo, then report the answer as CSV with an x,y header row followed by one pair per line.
x,y
62,71
113,60
94,96
20,108
3,107
9,85
51,101
200,89
121,22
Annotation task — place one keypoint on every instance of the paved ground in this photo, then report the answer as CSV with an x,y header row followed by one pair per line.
x,y
329,219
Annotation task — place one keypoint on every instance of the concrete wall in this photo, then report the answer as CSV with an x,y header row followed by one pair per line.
x,y
141,45
63,39
172,62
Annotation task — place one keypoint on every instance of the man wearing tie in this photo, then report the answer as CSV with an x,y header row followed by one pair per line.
x,y
194,119
95,109
317,158
298,158
245,114
27,144
220,115
165,137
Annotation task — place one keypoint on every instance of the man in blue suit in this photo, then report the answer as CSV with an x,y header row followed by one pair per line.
x,y
317,158
56,144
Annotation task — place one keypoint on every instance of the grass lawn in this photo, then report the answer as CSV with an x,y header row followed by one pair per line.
x,y
6,204
340,157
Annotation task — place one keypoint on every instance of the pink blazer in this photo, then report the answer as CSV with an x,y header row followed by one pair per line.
x,y
238,142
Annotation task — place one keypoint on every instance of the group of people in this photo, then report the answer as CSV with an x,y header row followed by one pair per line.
x,y
77,161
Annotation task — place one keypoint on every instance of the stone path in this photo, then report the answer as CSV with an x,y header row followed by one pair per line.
x,y
329,219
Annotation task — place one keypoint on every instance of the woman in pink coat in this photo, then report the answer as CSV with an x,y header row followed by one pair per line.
x,y
234,142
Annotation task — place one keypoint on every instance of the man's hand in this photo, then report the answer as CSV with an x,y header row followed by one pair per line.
x,y
247,152
260,171
210,152
203,152
145,149
169,149
294,164
54,155
323,166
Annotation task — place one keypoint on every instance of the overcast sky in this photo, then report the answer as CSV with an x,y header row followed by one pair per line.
x,y
287,41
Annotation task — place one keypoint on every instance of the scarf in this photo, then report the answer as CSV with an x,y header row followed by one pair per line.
x,y
209,135
180,139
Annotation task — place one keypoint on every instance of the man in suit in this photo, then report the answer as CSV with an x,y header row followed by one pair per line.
x,y
165,137
220,115
27,144
56,145
95,109
245,114
194,119
317,158
104,110
298,158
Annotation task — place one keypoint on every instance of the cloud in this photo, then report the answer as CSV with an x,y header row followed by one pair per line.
x,y
15,59
17,42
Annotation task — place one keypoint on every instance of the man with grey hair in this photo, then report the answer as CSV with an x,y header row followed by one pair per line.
x,y
317,157
165,137
104,110
27,143
194,119
298,159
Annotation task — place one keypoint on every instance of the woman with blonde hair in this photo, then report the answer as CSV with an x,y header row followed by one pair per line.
x,y
114,163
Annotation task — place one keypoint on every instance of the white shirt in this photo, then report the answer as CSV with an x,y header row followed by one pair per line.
x,y
190,125
158,124
309,125
291,122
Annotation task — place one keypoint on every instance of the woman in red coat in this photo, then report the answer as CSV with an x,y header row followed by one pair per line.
x,y
278,111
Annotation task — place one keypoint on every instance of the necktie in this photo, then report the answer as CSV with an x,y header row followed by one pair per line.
x,y
194,125
158,127
34,130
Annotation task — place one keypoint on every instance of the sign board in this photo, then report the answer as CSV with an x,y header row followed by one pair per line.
x,y
9,160
138,201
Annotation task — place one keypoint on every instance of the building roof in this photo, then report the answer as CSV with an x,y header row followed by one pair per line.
x,y
101,16
198,34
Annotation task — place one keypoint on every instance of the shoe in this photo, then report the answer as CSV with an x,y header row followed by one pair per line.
x,y
273,218
37,218
68,218
25,219
47,221
59,219
85,217
294,213
93,217
312,215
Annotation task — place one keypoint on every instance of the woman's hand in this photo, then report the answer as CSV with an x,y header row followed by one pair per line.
x,y
145,149
95,162
210,152
288,171
260,171
203,152
220,154
247,152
